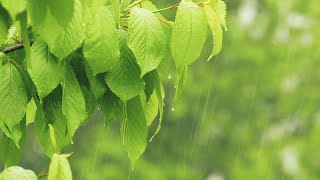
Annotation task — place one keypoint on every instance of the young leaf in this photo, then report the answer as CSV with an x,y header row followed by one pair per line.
x,y
124,79
101,47
16,172
151,108
14,7
220,8
44,68
73,102
188,34
216,29
59,168
134,129
145,35
31,112
72,37
180,82
153,78
13,96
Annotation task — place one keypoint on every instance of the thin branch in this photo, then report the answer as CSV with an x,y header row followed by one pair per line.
x,y
167,8
13,48
165,22
133,4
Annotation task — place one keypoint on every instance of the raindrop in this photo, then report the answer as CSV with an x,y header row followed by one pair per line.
x,y
172,109
169,76
71,141
163,104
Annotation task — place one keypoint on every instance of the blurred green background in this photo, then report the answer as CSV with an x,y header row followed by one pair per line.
x,y
253,112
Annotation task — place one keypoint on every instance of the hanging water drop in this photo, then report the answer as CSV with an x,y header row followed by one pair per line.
x,y
169,76
71,141
172,109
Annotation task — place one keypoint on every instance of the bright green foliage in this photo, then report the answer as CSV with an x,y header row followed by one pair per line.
x,y
62,10
124,79
73,102
97,84
220,9
145,39
216,14
134,129
116,9
101,47
189,34
71,38
83,56
216,29
14,7
4,24
125,3
44,68
110,106
31,112
15,172
13,96
10,153
59,168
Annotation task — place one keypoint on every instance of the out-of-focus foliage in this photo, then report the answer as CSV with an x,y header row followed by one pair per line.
x,y
252,112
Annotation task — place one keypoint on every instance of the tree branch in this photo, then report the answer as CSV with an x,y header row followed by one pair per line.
x,y
13,48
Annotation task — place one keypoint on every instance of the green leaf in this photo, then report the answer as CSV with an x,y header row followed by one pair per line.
x,y
72,37
31,112
220,9
216,29
14,7
10,154
188,34
134,129
15,134
13,95
180,82
124,79
59,168
116,9
16,172
48,27
153,79
101,48
51,113
151,108
145,35
125,4
73,102
37,11
4,24
109,104
44,68
62,10
97,84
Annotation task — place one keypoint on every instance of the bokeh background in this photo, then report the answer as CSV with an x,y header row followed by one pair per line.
x,y
252,112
